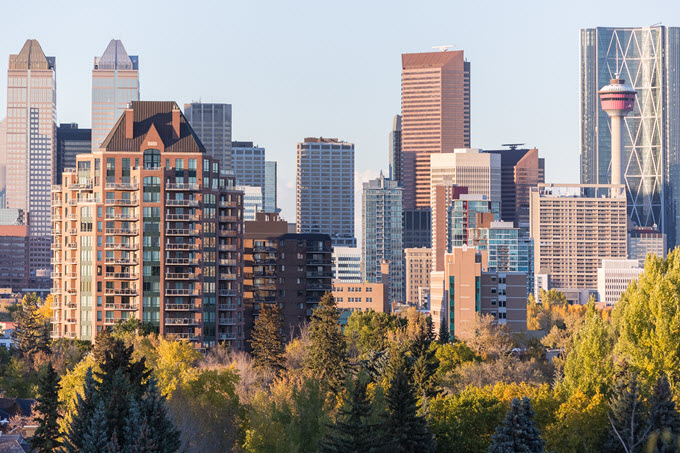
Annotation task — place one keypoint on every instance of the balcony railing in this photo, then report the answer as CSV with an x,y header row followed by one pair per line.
x,y
226,336
181,186
131,217
122,186
125,262
122,275
181,276
228,276
228,204
179,246
181,307
122,202
227,307
228,247
229,233
228,292
122,231
180,321
121,307
185,261
122,291
122,246
182,202
228,322
228,218
181,292
182,232
182,217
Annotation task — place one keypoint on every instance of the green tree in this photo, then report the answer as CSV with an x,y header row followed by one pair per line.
x,y
628,424
580,424
267,345
453,355
46,437
86,404
95,437
132,326
517,432
161,430
368,331
664,419
32,332
444,334
327,353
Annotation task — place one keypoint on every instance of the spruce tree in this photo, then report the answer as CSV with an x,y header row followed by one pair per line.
x,y
46,437
74,435
628,424
404,430
517,432
327,354
95,437
267,344
161,431
119,357
31,334
664,420
444,334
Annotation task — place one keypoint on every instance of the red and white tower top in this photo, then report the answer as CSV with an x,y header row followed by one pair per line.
x,y
617,98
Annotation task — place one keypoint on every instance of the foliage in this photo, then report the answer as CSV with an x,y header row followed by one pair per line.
x,y
580,424
453,355
490,339
327,357
132,326
266,342
517,432
628,424
173,364
368,331
46,437
664,420
32,332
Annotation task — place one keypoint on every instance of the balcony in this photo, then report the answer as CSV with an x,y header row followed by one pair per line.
x,y
70,321
56,203
122,275
121,246
230,233
181,307
181,186
228,204
71,274
122,186
228,247
70,291
122,202
226,336
226,262
182,292
319,275
183,335
182,232
228,292
178,246
181,322
72,231
55,291
228,321
121,291
81,186
227,307
125,262
264,249
56,217
71,305
228,276
56,188
56,246
182,217
228,218
184,261
121,307
182,202
123,231
131,217
181,276
69,335
111,321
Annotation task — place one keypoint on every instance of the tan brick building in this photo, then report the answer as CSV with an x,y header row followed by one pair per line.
x,y
418,267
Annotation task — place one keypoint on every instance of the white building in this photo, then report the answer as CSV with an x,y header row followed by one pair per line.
x,y
270,181
346,265
478,171
252,201
614,276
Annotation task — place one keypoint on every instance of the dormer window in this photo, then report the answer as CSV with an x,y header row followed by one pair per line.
x,y
152,159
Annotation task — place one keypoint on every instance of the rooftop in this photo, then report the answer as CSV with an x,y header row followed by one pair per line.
x,y
115,57
31,56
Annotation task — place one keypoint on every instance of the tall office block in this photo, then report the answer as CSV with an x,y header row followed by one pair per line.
x,y
480,172
71,141
575,227
252,201
146,226
382,240
521,169
248,164
642,241
435,116
325,189
270,190
115,83
31,146
418,265
417,228
442,197
3,162
346,265
396,162
14,255
648,58
212,123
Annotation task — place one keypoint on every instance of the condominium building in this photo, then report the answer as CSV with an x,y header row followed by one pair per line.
x,y
418,265
613,278
71,141
147,227
115,83
364,296
270,190
252,201
292,270
396,162
575,227
325,189
465,215
347,265
382,237
31,146
442,197
212,123
3,162
435,116
643,241
648,58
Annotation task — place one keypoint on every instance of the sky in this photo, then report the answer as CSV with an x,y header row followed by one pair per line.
x,y
301,69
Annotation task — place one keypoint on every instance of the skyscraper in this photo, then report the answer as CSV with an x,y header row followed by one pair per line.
x,y
325,189
382,237
270,181
648,58
212,123
3,162
31,145
396,163
115,83
71,141
247,162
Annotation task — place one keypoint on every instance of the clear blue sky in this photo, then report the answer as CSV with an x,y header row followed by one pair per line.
x,y
332,69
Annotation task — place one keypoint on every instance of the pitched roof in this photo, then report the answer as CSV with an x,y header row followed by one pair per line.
x,y
30,57
159,115
431,59
115,57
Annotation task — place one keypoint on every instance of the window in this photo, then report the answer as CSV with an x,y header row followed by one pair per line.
x,y
152,159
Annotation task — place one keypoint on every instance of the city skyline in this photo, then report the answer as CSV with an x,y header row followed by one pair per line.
x,y
299,100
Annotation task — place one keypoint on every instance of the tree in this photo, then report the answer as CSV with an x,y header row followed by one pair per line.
x,y
580,424
327,356
132,326
444,335
517,432
267,344
46,437
32,333
86,404
490,339
161,431
95,437
368,331
453,355
664,419
628,424
404,430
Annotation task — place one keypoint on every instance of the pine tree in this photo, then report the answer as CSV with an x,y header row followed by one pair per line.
x,y
104,341
664,419
268,350
327,353
628,424
73,438
517,432
404,430
161,431
353,432
95,437
46,437
119,357
32,333
444,335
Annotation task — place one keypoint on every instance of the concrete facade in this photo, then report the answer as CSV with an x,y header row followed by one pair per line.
x,y
418,266
613,278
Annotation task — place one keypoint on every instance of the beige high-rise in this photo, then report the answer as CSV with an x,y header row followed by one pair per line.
x,y
418,267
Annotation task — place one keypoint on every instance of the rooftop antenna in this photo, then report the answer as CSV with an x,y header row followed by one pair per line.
x,y
512,146
444,48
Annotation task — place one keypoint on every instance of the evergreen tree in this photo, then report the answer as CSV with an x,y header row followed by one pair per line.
x,y
424,374
268,351
627,417
119,357
74,435
444,334
46,437
95,437
104,341
404,430
353,432
327,353
517,432
664,419
32,332
161,432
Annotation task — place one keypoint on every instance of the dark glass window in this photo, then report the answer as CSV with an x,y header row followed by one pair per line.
x,y
152,159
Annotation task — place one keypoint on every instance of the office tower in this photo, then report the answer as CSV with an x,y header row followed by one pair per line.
x,y
575,227
417,228
467,213
442,197
115,83
14,251
252,201
270,181
642,241
480,172
31,112
613,278
9,216
3,162
325,189
382,239
365,296
435,116
147,226
248,164
292,270
418,264
71,141
521,169
212,123
396,163
648,58
346,265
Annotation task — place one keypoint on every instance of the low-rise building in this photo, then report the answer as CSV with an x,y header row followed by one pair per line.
x,y
364,296
613,278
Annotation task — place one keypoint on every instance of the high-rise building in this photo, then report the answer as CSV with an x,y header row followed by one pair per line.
x,y
396,163
648,58
71,141
480,172
3,162
642,241
521,169
417,228
435,116
613,278
270,181
418,264
212,123
115,83
252,201
9,216
325,189
147,226
382,239
465,215
346,265
248,164
575,227
442,197
31,146
14,251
